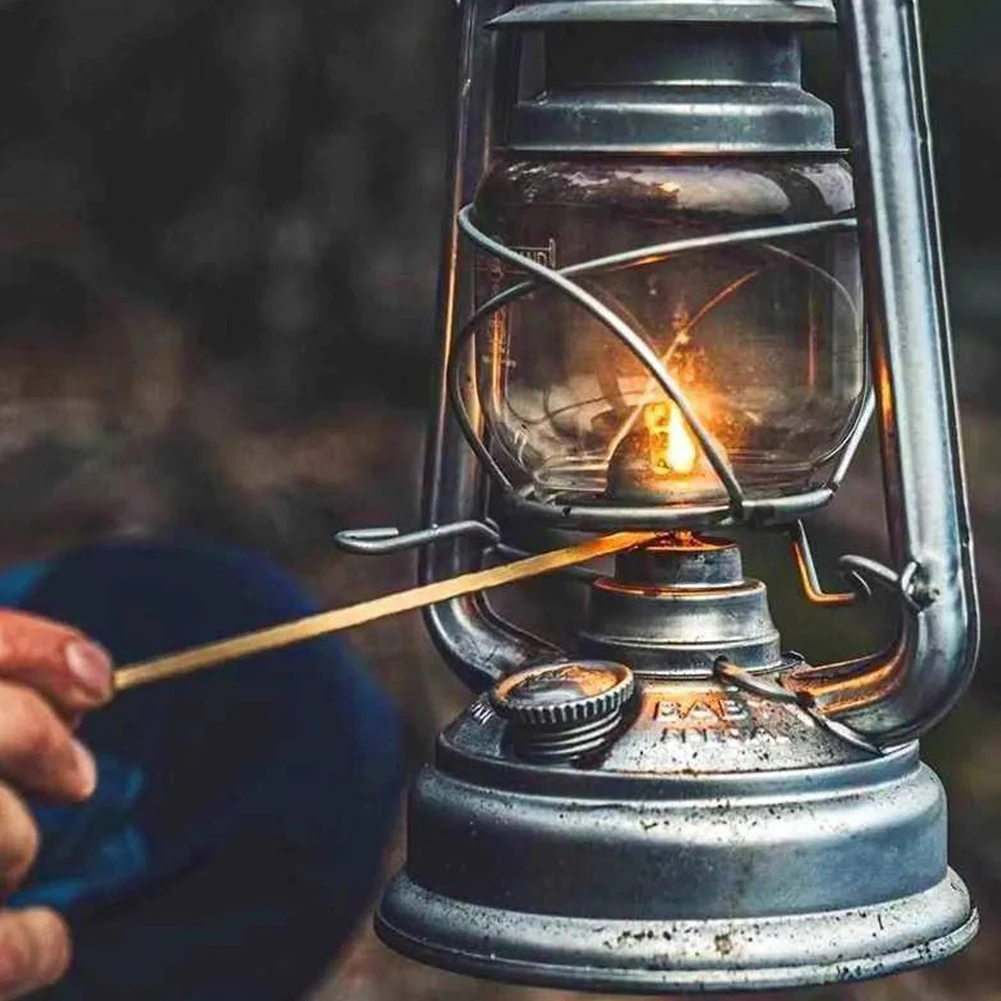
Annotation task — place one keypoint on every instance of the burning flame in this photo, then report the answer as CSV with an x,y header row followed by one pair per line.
x,y
673,450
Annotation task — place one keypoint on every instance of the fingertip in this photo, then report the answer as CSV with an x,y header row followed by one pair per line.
x,y
35,951
20,840
86,768
92,670
73,673
55,945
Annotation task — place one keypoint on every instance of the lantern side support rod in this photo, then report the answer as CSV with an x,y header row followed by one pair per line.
x,y
477,644
902,694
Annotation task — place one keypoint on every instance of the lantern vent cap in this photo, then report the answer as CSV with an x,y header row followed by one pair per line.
x,y
545,12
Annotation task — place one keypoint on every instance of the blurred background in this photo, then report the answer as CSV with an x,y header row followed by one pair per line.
x,y
219,226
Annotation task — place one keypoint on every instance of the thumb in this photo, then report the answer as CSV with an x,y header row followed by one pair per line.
x,y
34,951
56,660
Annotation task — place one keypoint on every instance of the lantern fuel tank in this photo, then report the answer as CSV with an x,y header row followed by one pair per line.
x,y
676,825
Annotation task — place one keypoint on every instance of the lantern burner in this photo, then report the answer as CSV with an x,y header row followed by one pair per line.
x,y
661,462
677,607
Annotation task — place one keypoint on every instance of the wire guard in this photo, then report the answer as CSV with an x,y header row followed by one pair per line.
x,y
739,508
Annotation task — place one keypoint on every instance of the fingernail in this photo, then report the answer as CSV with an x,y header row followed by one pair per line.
x,y
90,665
86,767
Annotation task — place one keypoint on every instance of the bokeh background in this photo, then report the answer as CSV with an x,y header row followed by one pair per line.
x,y
219,226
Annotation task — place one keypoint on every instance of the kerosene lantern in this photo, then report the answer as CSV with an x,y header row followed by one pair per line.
x,y
652,318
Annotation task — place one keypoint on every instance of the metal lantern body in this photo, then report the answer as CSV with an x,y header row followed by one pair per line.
x,y
652,319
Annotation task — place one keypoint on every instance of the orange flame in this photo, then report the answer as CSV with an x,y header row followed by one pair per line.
x,y
673,450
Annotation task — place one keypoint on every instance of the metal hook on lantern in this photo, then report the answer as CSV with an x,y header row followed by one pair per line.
x,y
810,580
384,541
773,691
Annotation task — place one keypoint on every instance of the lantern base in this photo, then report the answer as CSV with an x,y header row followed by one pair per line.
x,y
717,842
656,957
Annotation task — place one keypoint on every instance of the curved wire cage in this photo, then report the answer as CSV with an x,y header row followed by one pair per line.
x,y
769,510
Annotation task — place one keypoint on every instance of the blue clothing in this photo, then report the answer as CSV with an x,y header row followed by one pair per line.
x,y
241,815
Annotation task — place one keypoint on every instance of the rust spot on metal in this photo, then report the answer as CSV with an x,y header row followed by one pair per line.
x,y
723,945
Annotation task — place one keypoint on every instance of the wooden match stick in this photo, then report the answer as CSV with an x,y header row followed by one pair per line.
x,y
212,654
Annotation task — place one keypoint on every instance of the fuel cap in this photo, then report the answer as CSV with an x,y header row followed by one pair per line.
x,y
563,711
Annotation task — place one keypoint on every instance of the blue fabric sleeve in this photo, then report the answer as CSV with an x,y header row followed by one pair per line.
x,y
17,582
241,816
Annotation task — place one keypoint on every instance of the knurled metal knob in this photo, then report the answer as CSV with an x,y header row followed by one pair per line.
x,y
563,711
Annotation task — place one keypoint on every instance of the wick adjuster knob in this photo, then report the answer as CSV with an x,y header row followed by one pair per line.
x,y
559,712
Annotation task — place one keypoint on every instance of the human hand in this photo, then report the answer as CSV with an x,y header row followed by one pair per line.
x,y
50,675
